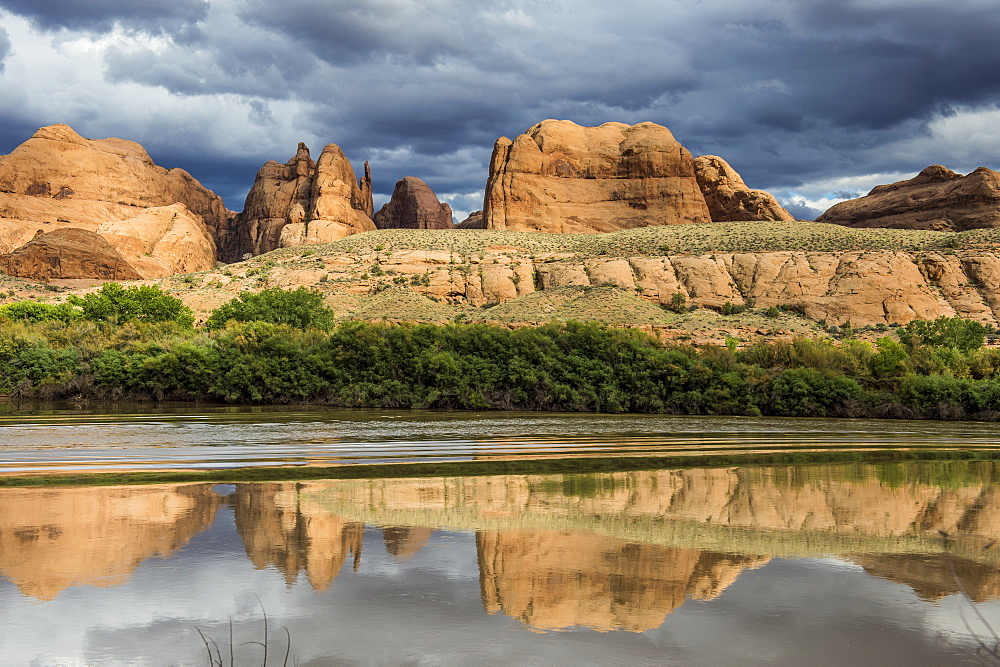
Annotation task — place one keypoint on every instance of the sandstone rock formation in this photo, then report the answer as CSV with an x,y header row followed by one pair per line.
x,y
54,538
414,206
474,221
936,198
728,197
68,253
301,201
58,179
561,177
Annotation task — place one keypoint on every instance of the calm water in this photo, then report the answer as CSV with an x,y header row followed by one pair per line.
x,y
821,564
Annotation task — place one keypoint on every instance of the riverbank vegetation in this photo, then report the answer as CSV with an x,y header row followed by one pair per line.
x,y
282,347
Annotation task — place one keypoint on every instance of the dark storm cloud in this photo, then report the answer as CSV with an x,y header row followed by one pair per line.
x,y
102,15
787,91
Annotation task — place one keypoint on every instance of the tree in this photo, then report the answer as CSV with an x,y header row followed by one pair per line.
x,y
956,332
33,311
145,303
300,308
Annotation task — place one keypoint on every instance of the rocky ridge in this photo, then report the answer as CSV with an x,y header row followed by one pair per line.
x,y
936,198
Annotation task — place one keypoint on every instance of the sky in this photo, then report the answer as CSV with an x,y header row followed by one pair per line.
x,y
813,100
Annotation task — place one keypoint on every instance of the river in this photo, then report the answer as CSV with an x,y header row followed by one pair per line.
x,y
846,563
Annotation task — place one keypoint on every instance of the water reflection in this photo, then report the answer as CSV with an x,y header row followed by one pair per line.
x,y
607,552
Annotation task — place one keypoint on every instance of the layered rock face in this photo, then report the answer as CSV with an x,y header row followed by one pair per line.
x,y
936,198
414,206
561,177
302,201
58,179
728,197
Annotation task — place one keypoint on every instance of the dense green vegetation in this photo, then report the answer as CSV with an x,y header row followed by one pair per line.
x,y
139,344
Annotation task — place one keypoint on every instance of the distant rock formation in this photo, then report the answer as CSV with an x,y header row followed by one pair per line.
x,y
302,201
414,206
58,179
728,197
936,198
561,177
474,221
68,253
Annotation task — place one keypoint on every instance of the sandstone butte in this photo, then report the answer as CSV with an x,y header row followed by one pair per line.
x,y
561,177
936,198
649,525
413,206
161,221
301,201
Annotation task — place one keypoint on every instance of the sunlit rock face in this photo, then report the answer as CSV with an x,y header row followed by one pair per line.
x,y
561,177
302,201
413,206
936,198
283,529
728,197
162,221
51,539
552,579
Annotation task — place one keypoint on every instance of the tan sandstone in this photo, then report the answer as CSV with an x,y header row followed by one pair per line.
x,y
561,177
58,179
302,201
936,198
728,197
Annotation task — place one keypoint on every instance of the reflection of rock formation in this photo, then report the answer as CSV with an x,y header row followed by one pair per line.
x,y
552,579
51,539
930,576
281,529
403,542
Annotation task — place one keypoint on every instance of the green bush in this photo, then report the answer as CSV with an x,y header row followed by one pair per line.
x,y
144,303
33,311
956,332
300,308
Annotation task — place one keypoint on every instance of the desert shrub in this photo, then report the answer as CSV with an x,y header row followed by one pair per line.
x,y
145,303
299,308
956,332
34,311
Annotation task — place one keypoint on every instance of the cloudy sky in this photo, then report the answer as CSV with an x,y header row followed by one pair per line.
x,y
814,100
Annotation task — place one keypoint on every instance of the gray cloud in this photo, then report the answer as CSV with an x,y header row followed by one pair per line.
x,y
4,48
787,91
102,15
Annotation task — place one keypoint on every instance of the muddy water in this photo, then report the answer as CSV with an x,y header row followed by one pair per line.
x,y
827,564
184,437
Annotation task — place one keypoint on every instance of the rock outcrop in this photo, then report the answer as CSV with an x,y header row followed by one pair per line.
x,y
68,253
936,198
302,201
474,221
728,197
414,206
561,177
58,179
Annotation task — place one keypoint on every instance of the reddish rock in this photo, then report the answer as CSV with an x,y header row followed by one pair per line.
x,y
302,201
728,197
68,253
474,221
414,206
561,177
936,198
